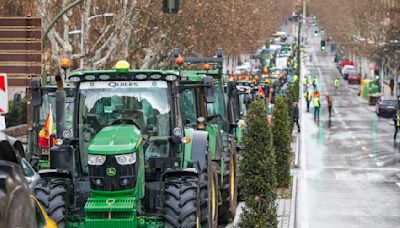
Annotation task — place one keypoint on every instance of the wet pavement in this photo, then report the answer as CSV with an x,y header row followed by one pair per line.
x,y
348,164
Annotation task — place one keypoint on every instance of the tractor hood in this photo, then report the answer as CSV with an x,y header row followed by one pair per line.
x,y
118,139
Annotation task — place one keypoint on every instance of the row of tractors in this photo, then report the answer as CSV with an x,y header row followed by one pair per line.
x,y
138,148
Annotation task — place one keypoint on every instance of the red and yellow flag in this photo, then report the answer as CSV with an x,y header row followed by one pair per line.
x,y
261,91
47,131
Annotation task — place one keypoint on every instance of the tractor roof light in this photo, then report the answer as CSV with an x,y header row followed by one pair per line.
x,y
206,66
171,77
74,79
65,63
122,66
201,123
179,60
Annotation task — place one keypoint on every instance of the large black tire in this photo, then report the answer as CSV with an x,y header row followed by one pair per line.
x,y
209,196
52,194
14,198
181,202
229,189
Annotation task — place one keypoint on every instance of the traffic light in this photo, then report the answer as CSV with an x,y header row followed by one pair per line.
x,y
170,6
323,45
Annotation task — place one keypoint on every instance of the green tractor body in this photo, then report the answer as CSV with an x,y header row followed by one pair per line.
x,y
131,160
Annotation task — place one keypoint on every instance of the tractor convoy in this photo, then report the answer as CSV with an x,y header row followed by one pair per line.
x,y
138,148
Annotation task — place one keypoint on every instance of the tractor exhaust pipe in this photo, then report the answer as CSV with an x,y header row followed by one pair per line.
x,y
60,107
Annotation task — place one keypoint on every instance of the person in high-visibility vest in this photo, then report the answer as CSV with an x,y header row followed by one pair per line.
x,y
305,82
317,105
308,97
396,119
315,83
295,78
337,83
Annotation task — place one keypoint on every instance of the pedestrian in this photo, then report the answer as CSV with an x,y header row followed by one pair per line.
x,y
308,98
305,82
296,115
317,105
337,83
391,85
315,83
330,104
396,120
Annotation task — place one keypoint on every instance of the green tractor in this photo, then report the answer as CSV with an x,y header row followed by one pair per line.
x,y
131,161
220,120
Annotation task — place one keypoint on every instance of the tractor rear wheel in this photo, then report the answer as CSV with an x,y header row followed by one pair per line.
x,y
229,190
181,202
52,194
209,195
14,198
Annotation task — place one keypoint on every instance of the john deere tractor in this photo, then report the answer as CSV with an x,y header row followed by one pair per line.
x,y
131,160
219,119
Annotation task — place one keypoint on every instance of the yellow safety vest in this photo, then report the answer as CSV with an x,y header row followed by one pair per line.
x,y
315,82
308,96
397,120
316,102
337,82
305,81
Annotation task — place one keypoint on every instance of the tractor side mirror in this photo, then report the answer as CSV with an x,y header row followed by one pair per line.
x,y
209,89
36,93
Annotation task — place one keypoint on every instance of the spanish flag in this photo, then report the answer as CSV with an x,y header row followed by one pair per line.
x,y
265,70
47,131
261,91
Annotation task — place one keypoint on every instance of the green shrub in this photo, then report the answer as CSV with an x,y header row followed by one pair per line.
x,y
281,131
16,114
257,168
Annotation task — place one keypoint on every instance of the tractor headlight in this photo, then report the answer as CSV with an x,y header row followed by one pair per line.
x,y
126,159
96,159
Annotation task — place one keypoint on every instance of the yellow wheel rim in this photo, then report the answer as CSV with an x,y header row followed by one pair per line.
x,y
213,198
232,178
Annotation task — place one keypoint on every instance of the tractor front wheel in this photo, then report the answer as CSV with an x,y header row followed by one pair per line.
x,y
52,194
209,195
229,190
181,202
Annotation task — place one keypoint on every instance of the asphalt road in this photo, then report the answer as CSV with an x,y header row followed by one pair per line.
x,y
347,166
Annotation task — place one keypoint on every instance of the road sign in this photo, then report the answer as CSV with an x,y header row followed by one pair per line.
x,y
3,94
20,49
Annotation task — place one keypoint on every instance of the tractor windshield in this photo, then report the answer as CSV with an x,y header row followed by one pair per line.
x,y
144,104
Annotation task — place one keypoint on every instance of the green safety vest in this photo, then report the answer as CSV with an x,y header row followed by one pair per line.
x,y
305,81
316,102
397,120
315,82
337,82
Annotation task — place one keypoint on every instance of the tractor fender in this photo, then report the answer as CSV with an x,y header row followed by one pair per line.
x,y
55,173
200,150
179,172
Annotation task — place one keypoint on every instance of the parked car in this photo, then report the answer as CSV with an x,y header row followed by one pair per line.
x,y
386,106
347,70
354,77
343,63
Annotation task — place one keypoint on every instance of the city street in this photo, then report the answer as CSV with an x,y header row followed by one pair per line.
x,y
347,165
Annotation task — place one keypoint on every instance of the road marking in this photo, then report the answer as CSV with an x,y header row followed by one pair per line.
x,y
398,184
358,142
364,148
371,155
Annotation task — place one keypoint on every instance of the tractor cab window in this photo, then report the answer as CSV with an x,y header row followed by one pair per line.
x,y
189,109
143,104
216,110
49,103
